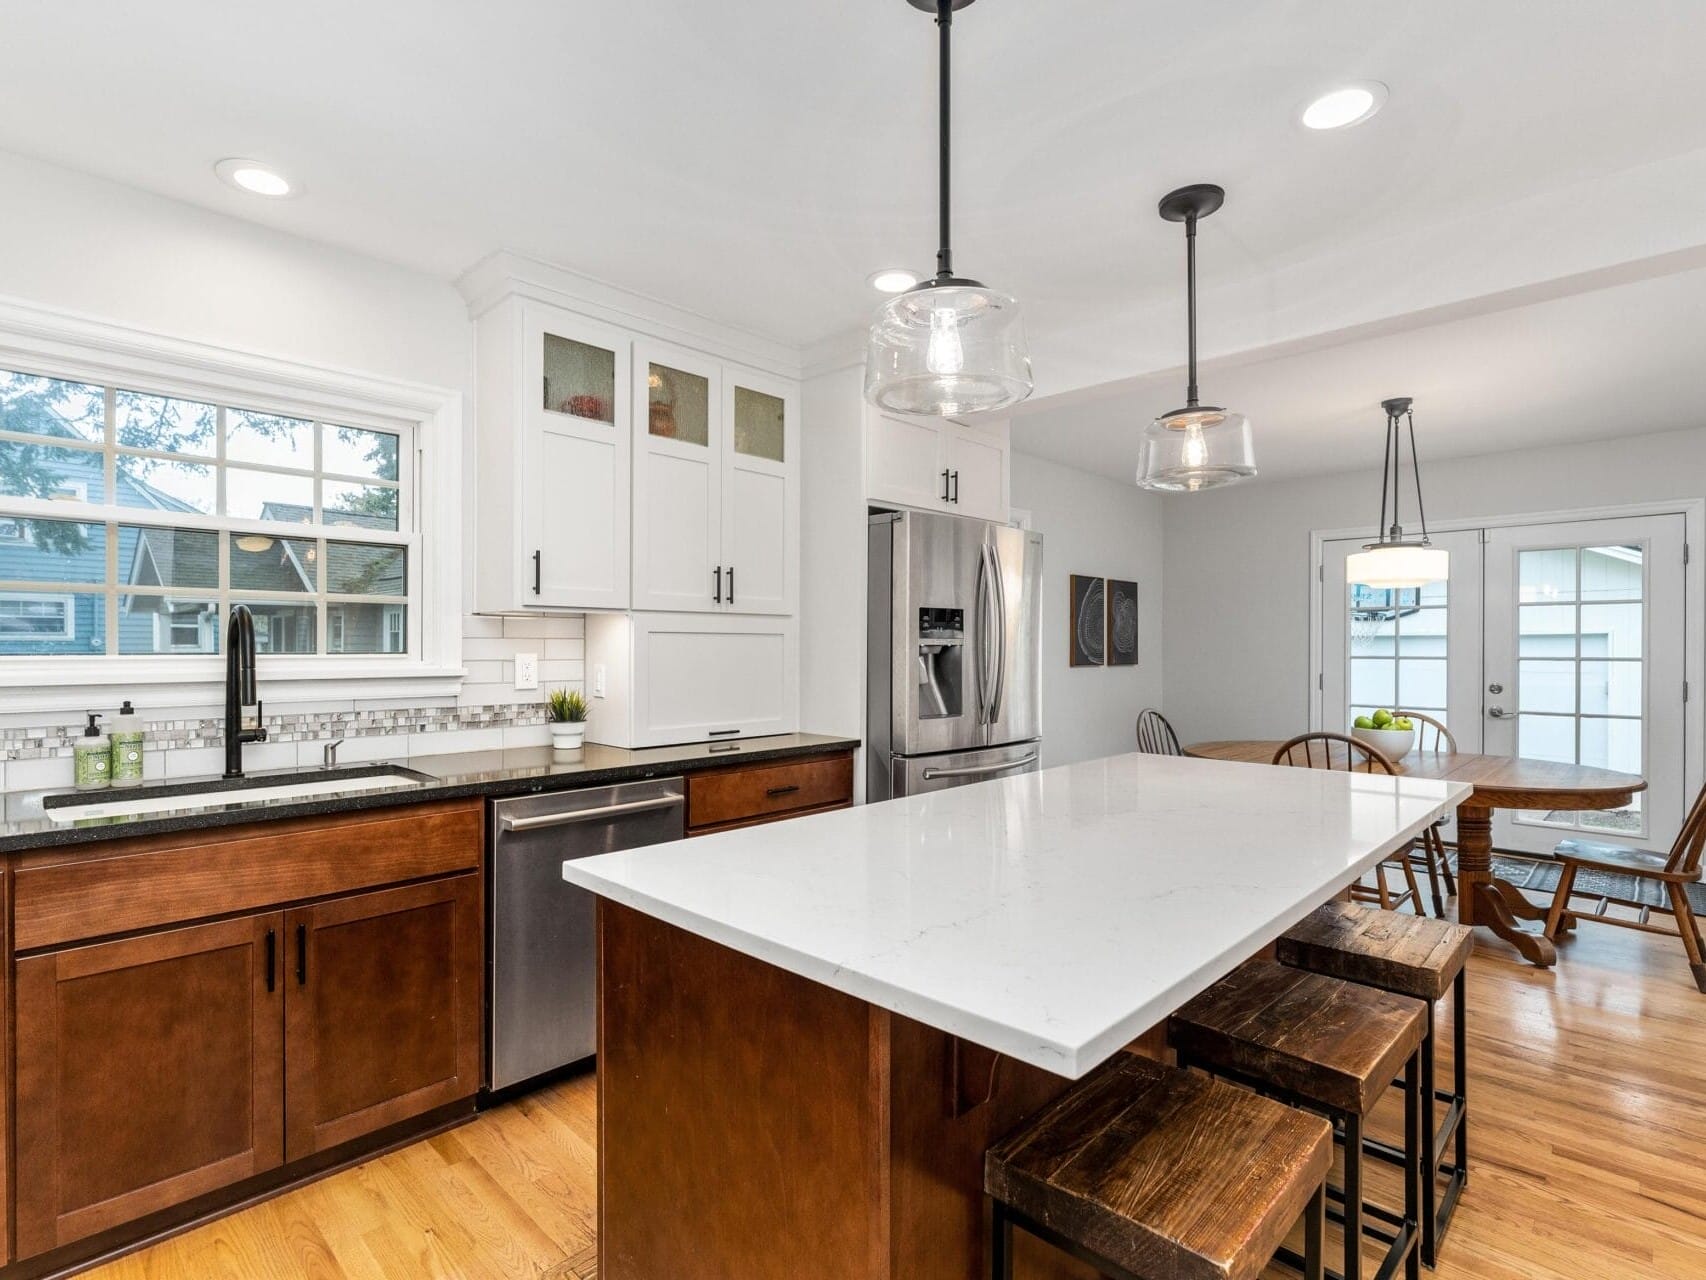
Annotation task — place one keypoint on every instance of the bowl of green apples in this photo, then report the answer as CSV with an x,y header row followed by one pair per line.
x,y
1391,735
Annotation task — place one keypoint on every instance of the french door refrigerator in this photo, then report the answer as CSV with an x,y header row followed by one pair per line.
x,y
954,653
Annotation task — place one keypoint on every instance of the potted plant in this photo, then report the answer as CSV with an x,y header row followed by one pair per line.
x,y
568,719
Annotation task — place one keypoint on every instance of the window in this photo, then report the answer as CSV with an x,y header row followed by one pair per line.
x,y
25,618
1398,650
131,522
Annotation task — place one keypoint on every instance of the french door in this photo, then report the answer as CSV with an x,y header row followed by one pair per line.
x,y
1558,640
1584,665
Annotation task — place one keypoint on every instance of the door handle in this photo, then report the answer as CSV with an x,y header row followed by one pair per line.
x,y
978,770
272,960
718,599
945,497
544,820
956,498
301,955
1498,713
536,573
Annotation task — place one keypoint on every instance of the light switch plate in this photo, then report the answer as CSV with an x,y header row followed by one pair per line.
x,y
598,679
526,671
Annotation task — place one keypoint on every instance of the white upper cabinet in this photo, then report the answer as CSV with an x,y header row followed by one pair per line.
x,y
937,465
554,459
716,485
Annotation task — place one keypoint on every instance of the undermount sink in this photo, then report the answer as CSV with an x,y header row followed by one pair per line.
x,y
218,794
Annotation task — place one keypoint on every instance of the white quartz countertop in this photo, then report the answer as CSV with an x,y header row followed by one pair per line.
x,y
1052,916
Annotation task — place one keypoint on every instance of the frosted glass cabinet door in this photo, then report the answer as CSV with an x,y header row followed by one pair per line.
x,y
679,431
760,493
575,463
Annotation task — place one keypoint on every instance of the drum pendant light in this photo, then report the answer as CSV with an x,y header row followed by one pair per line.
x,y
949,345
1393,560
1199,446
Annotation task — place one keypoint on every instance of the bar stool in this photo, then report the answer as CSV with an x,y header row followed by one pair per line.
x,y
1150,1173
1333,1047
1408,956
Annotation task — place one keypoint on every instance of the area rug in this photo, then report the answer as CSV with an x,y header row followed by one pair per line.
x,y
1538,877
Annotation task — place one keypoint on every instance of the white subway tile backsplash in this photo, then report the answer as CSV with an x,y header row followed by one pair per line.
x,y
526,735
31,775
528,628
566,647
481,625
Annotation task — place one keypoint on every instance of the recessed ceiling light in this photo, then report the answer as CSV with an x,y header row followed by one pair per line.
x,y
892,280
254,177
1344,106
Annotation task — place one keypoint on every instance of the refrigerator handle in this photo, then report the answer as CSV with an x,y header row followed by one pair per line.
x,y
1000,633
981,613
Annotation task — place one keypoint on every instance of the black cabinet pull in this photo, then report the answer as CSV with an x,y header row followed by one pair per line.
x,y
301,955
721,733
945,474
956,488
719,595
783,791
731,584
535,573
272,959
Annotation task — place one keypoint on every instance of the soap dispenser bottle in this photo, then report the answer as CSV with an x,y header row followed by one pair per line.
x,y
92,757
126,738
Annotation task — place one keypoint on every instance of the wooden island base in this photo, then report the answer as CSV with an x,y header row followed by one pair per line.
x,y
754,1123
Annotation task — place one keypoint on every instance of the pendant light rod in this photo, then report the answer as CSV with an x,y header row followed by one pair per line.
x,y
944,30
1191,305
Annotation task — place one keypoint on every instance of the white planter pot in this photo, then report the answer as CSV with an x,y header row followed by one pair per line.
x,y
567,736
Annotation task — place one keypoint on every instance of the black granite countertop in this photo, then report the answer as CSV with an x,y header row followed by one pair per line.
x,y
25,824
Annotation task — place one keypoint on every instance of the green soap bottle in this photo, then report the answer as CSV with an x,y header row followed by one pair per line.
x,y
127,748
92,757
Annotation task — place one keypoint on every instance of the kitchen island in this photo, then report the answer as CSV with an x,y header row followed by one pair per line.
x,y
809,1034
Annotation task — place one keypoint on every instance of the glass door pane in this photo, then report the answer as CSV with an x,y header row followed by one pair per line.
x,y
580,379
760,422
678,405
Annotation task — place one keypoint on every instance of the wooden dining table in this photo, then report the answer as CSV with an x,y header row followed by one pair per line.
x,y
1500,782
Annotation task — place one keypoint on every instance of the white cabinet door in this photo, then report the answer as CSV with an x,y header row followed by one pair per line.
x,y
977,461
700,678
761,518
678,479
575,461
906,462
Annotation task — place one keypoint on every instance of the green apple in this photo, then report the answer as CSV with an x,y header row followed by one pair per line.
x,y
1382,719
1403,724
1363,722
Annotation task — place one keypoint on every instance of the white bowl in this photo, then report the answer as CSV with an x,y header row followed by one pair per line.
x,y
1394,744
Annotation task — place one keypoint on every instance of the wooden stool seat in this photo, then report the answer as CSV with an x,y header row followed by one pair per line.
x,y
1323,1039
1410,955
1167,1174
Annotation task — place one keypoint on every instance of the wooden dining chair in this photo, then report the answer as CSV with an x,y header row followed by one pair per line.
x,y
1429,854
1155,736
1659,880
1336,751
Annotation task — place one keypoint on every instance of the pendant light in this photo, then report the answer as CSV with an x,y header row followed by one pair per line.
x,y
949,345
1199,446
1393,560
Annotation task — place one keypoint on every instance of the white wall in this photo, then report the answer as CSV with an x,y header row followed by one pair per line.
x,y
1096,526
1237,562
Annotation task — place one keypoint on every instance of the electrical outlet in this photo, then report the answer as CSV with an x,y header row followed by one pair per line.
x,y
526,671
598,679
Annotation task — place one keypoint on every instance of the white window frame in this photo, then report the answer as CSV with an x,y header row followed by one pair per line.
x,y
65,598
58,344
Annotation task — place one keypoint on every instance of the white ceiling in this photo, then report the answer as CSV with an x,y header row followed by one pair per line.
x,y
754,161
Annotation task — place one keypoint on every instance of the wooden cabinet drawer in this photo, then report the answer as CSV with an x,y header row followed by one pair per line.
x,y
731,797
149,881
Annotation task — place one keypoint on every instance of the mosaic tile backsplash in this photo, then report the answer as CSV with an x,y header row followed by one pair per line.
x,y
186,742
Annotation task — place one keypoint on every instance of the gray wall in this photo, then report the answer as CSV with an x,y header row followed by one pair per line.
x,y
1237,562
1095,526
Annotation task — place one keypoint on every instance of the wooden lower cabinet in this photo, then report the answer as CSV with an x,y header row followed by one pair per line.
x,y
382,1011
149,1071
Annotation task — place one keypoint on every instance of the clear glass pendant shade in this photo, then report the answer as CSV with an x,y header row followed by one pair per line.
x,y
1398,565
1190,450
947,349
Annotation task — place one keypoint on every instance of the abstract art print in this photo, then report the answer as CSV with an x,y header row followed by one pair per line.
x,y
1122,623
1088,622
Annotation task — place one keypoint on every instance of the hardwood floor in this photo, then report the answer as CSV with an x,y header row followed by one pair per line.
x,y
1588,1125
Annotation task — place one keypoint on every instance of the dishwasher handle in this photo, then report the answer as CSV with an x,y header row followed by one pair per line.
x,y
544,820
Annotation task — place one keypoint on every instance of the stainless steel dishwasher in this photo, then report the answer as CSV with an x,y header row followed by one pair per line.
x,y
544,969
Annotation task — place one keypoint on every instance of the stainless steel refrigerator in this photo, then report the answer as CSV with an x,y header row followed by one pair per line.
x,y
954,653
